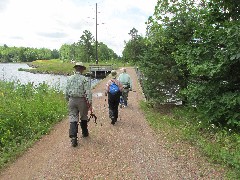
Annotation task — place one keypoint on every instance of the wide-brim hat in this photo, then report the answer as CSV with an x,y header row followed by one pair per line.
x,y
79,64
113,73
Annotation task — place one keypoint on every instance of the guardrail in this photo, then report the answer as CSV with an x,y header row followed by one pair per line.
x,y
100,70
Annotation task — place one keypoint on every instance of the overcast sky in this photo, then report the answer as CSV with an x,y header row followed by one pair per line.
x,y
51,23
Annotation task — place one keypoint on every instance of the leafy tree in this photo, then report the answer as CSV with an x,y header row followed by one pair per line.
x,y
87,41
134,48
105,53
214,64
55,54
83,50
65,52
193,48
23,54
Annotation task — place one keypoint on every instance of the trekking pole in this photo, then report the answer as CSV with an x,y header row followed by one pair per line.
x,y
90,108
92,115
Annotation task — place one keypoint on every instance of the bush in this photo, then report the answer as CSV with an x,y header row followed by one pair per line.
x,y
26,113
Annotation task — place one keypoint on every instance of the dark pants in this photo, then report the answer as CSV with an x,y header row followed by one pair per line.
x,y
113,102
125,95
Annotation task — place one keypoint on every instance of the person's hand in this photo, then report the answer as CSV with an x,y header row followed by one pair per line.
x,y
89,104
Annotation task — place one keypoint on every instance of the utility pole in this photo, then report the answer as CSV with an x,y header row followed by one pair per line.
x,y
96,38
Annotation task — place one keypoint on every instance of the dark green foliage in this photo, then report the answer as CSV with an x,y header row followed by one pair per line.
x,y
193,53
23,54
134,49
85,50
105,53
86,42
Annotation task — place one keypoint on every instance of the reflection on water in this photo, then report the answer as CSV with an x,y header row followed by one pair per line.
x,y
9,72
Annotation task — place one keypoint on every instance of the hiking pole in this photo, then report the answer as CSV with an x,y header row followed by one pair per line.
x,y
92,115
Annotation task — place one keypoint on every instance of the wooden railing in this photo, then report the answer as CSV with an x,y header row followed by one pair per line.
x,y
100,67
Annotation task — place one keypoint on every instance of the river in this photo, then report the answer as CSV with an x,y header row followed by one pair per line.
x,y
9,72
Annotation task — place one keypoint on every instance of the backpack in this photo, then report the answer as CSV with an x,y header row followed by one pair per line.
x,y
113,88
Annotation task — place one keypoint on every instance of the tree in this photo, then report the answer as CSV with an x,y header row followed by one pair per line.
x,y
65,52
55,54
194,46
105,53
87,41
134,48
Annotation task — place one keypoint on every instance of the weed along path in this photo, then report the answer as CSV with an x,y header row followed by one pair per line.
x,y
128,150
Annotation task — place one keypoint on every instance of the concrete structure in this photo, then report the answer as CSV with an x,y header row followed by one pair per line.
x,y
100,71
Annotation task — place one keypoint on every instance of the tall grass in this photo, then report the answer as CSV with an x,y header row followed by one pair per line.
x,y
221,146
26,113
54,66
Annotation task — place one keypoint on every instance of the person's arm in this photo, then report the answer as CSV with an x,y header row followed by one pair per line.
x,y
120,85
119,77
87,88
107,88
130,82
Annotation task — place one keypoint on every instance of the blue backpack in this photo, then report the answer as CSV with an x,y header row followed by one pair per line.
x,y
113,88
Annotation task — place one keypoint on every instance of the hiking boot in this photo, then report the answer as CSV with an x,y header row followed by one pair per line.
x,y
73,130
74,141
84,126
113,121
85,134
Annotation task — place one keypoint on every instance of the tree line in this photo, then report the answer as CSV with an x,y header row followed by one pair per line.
x,y
84,50
25,54
192,52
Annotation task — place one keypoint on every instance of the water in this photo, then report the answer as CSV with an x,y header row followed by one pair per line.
x,y
9,72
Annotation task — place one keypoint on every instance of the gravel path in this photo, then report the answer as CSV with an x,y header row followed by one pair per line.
x,y
128,150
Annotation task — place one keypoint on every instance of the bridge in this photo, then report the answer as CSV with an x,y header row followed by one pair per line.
x,y
100,71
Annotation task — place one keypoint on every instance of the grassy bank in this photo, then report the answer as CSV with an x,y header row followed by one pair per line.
x,y
56,66
220,146
26,113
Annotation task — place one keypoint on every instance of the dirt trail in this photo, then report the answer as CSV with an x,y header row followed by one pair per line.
x,y
128,150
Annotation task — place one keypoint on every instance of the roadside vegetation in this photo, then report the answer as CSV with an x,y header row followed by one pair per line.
x,y
191,55
26,113
181,125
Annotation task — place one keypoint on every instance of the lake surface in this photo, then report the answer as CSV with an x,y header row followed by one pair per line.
x,y
9,72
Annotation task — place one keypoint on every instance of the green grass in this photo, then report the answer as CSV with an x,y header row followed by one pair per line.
x,y
53,66
56,66
26,113
220,146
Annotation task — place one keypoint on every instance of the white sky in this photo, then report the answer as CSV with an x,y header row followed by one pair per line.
x,y
51,23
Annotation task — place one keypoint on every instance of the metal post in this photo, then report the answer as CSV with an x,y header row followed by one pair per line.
x,y
96,38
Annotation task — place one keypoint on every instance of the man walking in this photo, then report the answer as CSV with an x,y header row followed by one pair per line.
x,y
79,97
126,81
113,91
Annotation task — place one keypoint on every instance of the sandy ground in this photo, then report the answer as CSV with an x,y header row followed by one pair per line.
x,y
128,150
